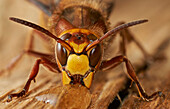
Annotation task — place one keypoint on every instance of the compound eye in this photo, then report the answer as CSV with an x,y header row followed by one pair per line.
x,y
62,54
95,56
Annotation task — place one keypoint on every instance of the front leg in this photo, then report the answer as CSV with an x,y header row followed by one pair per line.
x,y
47,63
118,60
32,76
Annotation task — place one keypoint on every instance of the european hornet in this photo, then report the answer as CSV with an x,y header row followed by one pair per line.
x,y
79,30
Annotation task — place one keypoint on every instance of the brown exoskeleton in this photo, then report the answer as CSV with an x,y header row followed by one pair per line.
x,y
79,30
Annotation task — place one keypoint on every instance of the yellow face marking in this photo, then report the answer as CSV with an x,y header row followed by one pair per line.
x,y
65,78
78,48
88,80
77,64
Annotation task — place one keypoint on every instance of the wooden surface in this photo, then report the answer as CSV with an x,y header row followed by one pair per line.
x,y
106,84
